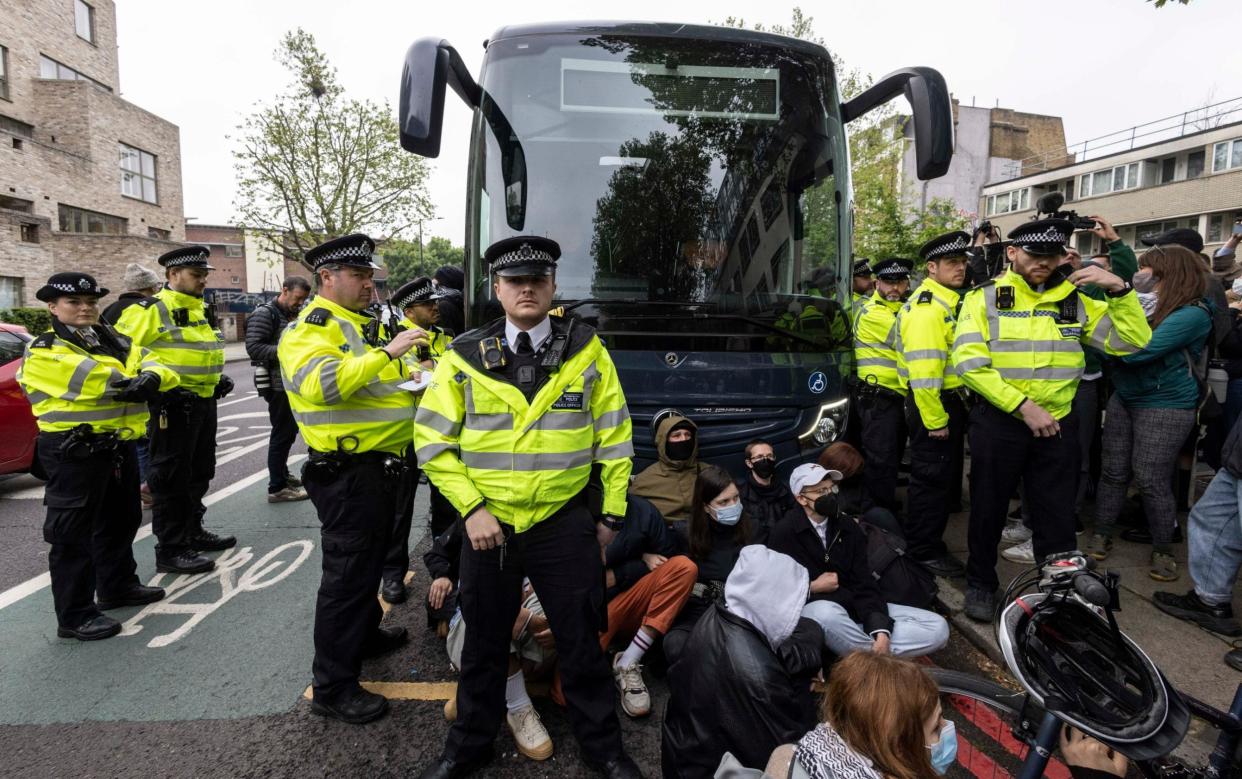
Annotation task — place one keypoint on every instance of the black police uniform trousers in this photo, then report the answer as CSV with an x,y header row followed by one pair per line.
x,y
93,514
397,561
935,478
561,557
1002,451
284,433
182,465
883,441
356,507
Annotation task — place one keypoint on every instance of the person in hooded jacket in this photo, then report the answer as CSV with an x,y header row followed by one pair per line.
x,y
449,281
669,483
742,685
765,498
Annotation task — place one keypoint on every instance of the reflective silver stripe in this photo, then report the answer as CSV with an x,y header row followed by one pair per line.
x,y
201,346
946,306
381,389
882,362
563,420
429,451
437,422
967,338
972,364
351,335
196,370
470,397
327,383
925,354
113,377
1040,374
94,415
37,397
589,377
334,417
927,384
78,380
540,461
1036,346
612,418
869,345
616,451
306,370
1105,336
989,300
488,422
166,319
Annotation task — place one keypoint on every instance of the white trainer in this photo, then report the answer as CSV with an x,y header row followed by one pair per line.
x,y
1022,553
529,734
1015,533
635,701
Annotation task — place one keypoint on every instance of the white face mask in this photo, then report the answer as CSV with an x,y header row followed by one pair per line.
x,y
728,515
1237,287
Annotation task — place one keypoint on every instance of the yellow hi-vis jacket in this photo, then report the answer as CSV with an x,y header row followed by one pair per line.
x,y
69,386
875,343
438,342
481,442
925,330
1033,349
174,326
342,390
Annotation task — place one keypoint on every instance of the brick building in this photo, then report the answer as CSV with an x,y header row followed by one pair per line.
x,y
1191,179
88,181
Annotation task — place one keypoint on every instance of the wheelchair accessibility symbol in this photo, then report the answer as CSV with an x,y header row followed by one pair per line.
x,y
817,382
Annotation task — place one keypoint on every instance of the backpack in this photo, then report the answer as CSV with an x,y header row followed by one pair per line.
x,y
1207,406
900,579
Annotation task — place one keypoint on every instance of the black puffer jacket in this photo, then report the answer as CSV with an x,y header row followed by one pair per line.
x,y
765,505
263,329
730,692
644,533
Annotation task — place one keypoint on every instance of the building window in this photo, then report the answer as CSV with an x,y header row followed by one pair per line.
x,y
4,73
51,69
1194,164
79,220
138,174
1168,169
1115,179
233,250
11,292
16,204
29,233
1018,200
84,20
1227,155
1221,225
155,232
236,279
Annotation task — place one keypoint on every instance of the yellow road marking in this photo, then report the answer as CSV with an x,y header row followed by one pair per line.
x,y
407,691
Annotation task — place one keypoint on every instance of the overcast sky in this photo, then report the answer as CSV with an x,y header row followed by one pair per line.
x,y
1102,65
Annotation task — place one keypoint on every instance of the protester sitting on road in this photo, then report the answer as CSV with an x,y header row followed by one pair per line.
x,y
669,483
713,539
765,498
845,599
742,685
848,461
443,560
1154,407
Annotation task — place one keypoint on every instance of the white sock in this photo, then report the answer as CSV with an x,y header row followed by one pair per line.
x,y
516,697
634,652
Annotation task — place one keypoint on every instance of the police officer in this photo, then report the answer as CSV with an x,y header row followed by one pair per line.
x,y
863,286
1019,346
518,414
879,390
342,377
417,300
173,325
88,389
935,409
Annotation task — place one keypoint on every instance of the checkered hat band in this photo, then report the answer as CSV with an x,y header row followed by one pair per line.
x,y
193,259
357,252
897,273
1047,235
418,294
523,254
71,288
958,246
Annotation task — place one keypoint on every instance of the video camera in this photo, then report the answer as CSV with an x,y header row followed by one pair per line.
x,y
1049,206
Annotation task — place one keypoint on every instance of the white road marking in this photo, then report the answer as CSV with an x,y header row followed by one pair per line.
x,y
242,399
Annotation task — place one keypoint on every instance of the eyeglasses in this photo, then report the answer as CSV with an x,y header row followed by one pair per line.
x,y
820,492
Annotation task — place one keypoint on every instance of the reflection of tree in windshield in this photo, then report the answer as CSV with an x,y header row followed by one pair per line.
x,y
650,225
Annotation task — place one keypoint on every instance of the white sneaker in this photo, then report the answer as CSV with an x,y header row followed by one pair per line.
x,y
1022,553
1015,533
635,701
531,737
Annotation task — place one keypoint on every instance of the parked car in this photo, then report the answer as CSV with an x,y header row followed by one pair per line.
x,y
17,423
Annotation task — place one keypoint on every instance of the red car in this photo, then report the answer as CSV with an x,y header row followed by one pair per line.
x,y
17,424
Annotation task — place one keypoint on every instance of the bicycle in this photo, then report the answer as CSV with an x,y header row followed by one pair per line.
x,y
1022,734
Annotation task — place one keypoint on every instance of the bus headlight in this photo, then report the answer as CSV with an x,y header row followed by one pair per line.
x,y
827,425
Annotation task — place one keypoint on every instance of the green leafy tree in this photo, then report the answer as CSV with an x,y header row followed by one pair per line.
x,y
314,164
404,259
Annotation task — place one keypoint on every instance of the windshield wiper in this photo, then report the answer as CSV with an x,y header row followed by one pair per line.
x,y
770,327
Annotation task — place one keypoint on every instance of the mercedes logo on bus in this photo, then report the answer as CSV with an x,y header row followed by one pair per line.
x,y
671,359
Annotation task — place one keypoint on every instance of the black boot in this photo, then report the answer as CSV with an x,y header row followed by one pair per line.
x,y
384,640
355,707
1218,619
93,629
393,591
136,595
188,561
449,768
210,542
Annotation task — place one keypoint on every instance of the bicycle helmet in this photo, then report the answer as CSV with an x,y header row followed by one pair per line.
x,y
1073,662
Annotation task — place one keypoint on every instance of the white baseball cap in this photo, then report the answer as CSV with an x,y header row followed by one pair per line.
x,y
808,475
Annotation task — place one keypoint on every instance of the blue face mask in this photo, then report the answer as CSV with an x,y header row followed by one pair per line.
x,y
729,515
944,751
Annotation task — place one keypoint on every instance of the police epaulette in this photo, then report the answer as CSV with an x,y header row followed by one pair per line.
x,y
146,302
44,341
318,316
925,296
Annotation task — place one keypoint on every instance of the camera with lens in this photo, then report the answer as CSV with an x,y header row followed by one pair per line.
x,y
1049,206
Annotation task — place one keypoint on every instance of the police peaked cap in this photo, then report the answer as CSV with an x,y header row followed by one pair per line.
x,y
414,292
71,283
862,268
523,255
952,244
186,257
893,269
1043,236
355,250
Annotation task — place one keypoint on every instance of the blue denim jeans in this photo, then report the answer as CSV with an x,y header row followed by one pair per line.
x,y
1216,539
915,631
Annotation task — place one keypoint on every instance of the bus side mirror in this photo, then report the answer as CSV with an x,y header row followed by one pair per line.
x,y
928,95
430,63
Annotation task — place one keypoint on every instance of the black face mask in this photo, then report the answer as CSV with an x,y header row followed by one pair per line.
x,y
679,450
764,468
826,506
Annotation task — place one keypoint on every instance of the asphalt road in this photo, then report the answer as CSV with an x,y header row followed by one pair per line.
x,y
211,681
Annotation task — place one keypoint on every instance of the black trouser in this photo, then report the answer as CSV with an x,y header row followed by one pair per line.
x,y
182,464
883,439
397,561
356,507
561,557
933,491
443,515
284,433
1002,451
93,514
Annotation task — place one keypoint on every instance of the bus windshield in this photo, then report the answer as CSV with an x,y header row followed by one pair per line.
x,y
693,187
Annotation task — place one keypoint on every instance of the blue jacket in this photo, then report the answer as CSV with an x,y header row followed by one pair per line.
x,y
1159,376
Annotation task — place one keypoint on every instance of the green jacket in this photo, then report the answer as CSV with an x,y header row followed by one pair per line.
x,y
1124,264
1159,376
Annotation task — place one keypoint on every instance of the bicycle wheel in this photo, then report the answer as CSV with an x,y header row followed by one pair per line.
x,y
995,726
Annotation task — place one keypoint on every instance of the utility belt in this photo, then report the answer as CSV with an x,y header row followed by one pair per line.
x,y
871,391
82,443
712,592
324,467
176,401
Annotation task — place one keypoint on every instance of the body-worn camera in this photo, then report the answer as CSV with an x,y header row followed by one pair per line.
x,y
1049,206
